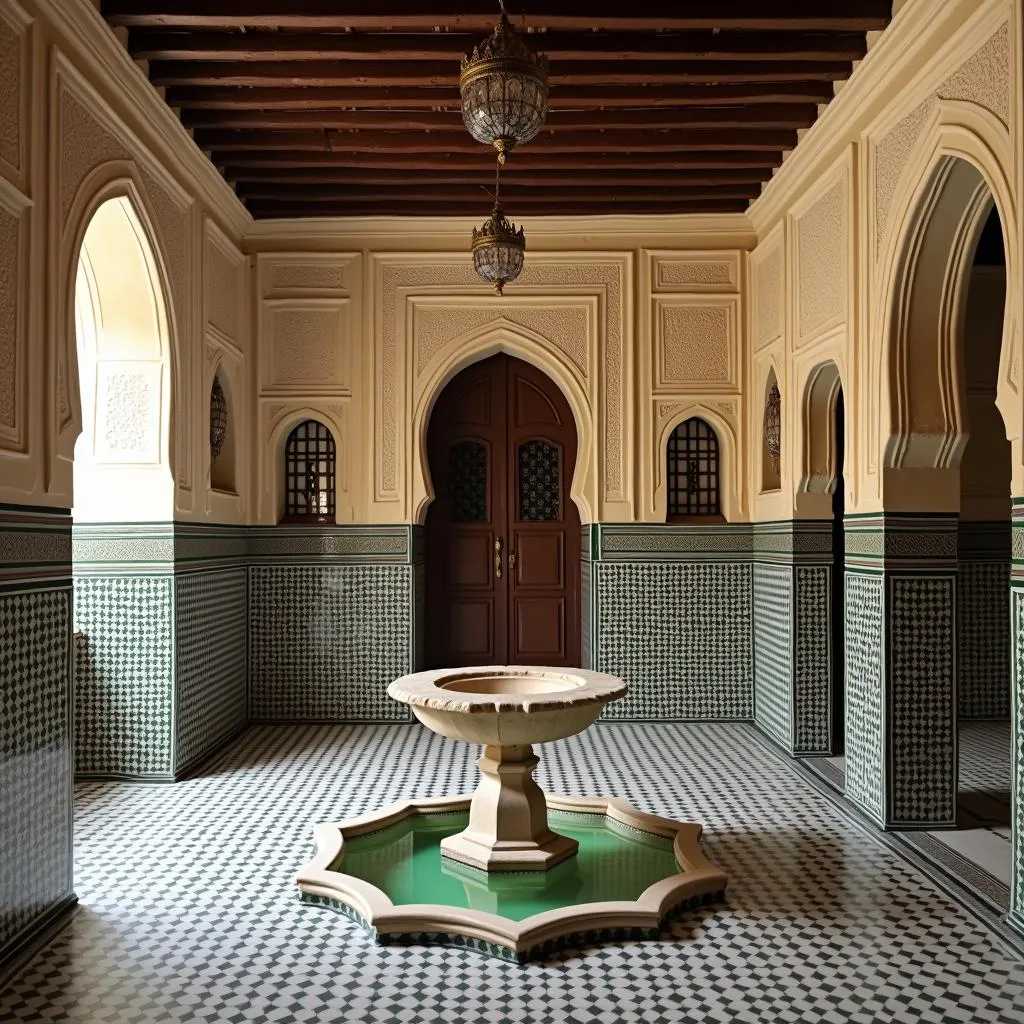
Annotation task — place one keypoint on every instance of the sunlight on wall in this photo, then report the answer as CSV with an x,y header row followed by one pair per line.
x,y
121,457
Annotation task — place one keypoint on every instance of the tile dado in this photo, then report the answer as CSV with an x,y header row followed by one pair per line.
x,y
1016,914
35,722
335,613
901,631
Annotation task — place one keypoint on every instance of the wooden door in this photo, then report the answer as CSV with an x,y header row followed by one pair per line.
x,y
502,533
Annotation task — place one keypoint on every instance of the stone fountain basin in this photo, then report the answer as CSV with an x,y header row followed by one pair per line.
x,y
506,705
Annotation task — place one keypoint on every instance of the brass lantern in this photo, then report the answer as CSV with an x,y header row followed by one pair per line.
x,y
218,418
504,88
773,425
498,249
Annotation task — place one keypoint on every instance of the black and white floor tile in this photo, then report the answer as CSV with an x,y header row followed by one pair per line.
x,y
189,912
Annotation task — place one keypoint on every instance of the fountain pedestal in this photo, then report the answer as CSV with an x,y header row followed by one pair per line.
x,y
506,709
508,817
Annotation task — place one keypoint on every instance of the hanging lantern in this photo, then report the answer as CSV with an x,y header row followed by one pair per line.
x,y
504,88
773,425
498,249
218,418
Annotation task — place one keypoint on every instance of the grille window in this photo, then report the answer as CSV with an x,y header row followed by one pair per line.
x,y
693,470
467,482
309,470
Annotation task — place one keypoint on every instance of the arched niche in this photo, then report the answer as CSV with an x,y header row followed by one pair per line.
x,y
728,453
819,456
927,263
222,470
122,469
771,465
273,465
531,348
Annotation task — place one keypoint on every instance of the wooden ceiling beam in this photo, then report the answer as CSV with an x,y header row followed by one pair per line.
x,y
561,47
446,74
641,143
479,15
538,161
610,95
515,195
342,177
478,211
782,115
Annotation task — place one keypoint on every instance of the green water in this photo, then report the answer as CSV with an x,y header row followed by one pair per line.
x,y
613,863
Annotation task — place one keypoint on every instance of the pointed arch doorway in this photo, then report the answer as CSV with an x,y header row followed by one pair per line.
x,y
503,533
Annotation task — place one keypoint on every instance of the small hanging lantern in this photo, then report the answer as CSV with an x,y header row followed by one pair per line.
x,y
218,418
773,425
504,88
499,248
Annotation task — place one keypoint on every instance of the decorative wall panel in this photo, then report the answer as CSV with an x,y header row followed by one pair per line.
x,y
210,661
864,693
767,293
35,760
225,287
695,272
124,666
822,246
13,369
679,635
14,79
773,648
325,641
307,346
695,345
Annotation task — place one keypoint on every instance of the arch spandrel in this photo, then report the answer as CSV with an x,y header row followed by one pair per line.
x,y
961,169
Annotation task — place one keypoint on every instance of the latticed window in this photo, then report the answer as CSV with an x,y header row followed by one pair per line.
x,y
309,471
693,470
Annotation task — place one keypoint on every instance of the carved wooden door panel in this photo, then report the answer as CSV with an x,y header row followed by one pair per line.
x,y
502,533
467,604
544,527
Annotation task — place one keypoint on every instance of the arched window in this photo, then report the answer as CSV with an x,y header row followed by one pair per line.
x,y
309,465
771,445
693,466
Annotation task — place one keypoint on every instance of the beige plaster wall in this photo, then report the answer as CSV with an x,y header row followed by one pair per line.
x,y
79,124
642,322
838,228
362,322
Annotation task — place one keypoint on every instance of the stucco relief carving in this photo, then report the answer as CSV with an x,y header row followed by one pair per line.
x,y
84,145
821,255
891,155
12,74
310,346
604,278
127,397
10,246
292,276
225,287
768,296
567,327
985,78
698,274
694,345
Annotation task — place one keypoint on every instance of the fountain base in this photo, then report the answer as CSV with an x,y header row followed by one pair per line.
x,y
631,873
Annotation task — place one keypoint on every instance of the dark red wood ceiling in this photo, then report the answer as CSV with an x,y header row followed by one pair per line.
x,y
349,107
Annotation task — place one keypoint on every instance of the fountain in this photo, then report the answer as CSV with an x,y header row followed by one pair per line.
x,y
488,870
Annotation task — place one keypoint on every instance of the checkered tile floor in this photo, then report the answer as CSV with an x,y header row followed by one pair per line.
x,y
189,911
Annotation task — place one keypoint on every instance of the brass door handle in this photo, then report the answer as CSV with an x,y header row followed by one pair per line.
x,y
497,558
511,561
